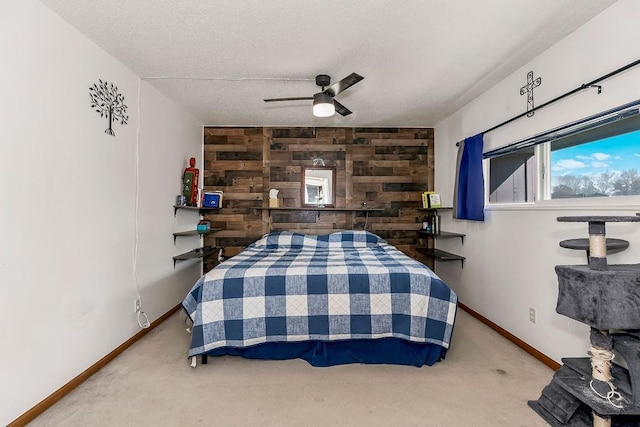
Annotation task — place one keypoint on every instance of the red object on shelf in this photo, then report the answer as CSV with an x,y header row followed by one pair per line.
x,y
190,183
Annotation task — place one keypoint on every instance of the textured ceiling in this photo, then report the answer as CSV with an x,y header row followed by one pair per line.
x,y
422,59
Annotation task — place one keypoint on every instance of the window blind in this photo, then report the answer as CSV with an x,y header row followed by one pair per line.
x,y
615,121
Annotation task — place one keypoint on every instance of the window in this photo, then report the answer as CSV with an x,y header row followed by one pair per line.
x,y
511,177
594,157
605,167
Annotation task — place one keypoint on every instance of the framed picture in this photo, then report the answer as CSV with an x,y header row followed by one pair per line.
x,y
434,200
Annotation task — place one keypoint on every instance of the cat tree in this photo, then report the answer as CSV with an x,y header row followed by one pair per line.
x,y
595,391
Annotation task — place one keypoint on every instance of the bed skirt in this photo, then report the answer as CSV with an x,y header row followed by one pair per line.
x,y
394,351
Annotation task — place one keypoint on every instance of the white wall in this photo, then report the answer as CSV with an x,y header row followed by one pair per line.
x,y
68,210
511,256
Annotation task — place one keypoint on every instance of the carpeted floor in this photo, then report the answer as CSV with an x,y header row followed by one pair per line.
x,y
484,381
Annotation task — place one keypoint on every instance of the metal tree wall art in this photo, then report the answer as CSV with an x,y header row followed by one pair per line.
x,y
106,100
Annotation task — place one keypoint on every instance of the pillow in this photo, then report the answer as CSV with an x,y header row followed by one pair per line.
x,y
339,239
285,239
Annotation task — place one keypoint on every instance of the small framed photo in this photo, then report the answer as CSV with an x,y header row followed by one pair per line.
x,y
434,200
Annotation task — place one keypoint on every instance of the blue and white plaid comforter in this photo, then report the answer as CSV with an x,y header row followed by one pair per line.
x,y
294,287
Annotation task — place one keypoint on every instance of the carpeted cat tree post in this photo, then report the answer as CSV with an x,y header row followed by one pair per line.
x,y
595,391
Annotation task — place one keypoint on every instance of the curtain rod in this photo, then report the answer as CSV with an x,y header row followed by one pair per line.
x,y
571,92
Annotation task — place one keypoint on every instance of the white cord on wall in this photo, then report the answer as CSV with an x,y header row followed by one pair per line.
x,y
143,320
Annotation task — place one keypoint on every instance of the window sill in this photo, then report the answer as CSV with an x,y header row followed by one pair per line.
x,y
624,203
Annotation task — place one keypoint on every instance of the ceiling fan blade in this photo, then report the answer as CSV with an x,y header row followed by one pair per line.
x,y
303,98
341,109
343,84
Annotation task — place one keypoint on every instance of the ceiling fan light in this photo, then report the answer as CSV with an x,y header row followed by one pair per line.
x,y
323,105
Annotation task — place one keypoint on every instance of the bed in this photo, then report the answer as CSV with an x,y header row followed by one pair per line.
x,y
344,297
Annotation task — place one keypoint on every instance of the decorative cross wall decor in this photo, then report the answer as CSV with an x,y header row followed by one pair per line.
x,y
106,100
528,88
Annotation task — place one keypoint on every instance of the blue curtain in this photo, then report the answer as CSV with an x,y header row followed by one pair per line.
x,y
469,185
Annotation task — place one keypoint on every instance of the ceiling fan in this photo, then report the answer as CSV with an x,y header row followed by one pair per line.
x,y
323,103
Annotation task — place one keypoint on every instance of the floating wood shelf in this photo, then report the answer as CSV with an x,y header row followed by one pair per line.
x,y
323,209
434,253
193,208
442,234
444,208
441,255
194,233
195,254
318,210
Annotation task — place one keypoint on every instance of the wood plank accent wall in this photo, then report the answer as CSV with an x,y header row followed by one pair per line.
x,y
387,168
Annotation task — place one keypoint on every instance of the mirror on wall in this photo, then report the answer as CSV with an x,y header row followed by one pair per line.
x,y
318,187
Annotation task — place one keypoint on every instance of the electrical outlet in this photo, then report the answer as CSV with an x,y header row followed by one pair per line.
x,y
136,305
532,315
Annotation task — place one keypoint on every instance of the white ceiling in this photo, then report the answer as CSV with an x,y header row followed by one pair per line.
x,y
422,59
